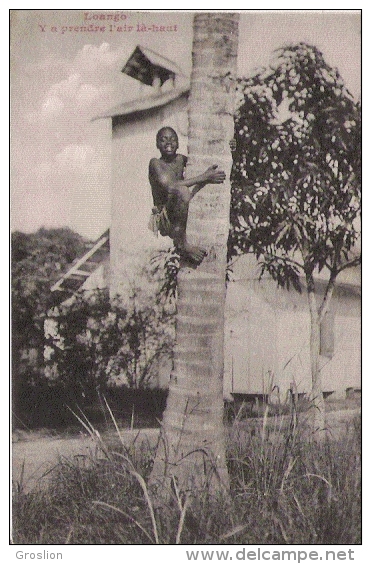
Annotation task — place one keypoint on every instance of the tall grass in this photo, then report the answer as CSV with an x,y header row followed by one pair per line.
x,y
285,489
290,489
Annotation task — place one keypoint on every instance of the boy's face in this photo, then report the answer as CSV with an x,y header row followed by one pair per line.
x,y
167,142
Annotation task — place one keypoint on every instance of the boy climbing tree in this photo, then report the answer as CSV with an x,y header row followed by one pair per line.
x,y
172,193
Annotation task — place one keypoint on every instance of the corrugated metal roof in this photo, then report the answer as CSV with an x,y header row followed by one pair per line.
x,y
156,100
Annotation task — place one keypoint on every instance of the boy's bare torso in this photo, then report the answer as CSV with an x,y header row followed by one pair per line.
x,y
172,192
170,172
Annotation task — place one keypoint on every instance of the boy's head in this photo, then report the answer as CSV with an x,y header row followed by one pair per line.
x,y
167,141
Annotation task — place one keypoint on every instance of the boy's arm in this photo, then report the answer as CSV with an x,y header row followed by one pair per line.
x,y
211,176
167,181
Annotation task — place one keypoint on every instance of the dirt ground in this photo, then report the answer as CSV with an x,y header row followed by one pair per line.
x,y
34,456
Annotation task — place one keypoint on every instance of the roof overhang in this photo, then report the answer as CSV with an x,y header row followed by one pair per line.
x,y
146,103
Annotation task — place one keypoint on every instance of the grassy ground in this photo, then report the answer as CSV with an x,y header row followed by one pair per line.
x,y
285,489
105,425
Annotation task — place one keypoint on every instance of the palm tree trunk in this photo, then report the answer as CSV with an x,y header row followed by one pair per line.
x,y
192,448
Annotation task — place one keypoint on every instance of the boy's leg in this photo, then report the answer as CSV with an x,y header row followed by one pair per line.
x,y
178,215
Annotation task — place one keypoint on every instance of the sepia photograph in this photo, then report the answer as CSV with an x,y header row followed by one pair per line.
x,y
186,281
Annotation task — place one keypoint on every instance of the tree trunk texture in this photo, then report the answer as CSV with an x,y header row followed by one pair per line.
x,y
318,404
191,450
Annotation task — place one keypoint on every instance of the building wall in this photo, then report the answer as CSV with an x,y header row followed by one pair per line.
x,y
267,340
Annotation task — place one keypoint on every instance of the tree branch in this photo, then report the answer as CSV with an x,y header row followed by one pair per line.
x,y
328,295
355,262
279,257
287,259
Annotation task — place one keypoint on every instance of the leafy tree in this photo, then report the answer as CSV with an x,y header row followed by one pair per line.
x,y
296,180
37,259
93,342
165,265
148,336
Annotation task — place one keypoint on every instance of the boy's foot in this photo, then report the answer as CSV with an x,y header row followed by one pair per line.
x,y
193,255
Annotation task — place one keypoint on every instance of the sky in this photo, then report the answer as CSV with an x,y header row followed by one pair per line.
x,y
62,77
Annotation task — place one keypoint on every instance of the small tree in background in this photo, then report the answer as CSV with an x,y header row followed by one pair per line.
x,y
296,181
81,341
165,264
37,260
95,343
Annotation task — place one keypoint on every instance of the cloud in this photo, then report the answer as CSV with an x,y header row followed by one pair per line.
x,y
86,94
52,106
81,164
92,83
71,188
89,79
75,157
66,88
96,64
67,96
42,170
